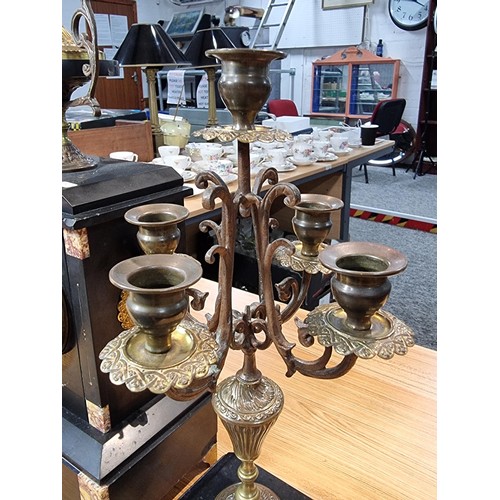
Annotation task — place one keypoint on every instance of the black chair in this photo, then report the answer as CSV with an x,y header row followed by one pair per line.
x,y
388,116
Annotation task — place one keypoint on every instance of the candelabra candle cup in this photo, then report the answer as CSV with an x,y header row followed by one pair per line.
x,y
360,281
244,85
158,226
157,300
313,220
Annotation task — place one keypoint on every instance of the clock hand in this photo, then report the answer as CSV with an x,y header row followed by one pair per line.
x,y
416,1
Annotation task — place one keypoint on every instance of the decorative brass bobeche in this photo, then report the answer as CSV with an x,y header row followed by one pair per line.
x,y
249,403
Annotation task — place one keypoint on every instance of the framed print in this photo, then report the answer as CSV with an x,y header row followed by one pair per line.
x,y
342,4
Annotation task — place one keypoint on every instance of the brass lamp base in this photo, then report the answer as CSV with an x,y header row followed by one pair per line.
x,y
74,160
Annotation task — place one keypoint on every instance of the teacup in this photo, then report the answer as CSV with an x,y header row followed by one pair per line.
x,y
254,159
321,148
339,141
324,135
179,162
354,135
211,153
276,156
124,155
193,150
304,137
221,166
168,150
302,151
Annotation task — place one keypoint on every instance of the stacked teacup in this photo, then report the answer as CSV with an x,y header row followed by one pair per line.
x,y
339,142
303,150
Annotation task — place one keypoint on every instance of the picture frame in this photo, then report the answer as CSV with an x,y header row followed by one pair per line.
x,y
343,4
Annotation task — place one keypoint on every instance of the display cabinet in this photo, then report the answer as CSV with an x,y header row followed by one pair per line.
x,y
350,83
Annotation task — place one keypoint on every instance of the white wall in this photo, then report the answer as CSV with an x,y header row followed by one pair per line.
x,y
408,46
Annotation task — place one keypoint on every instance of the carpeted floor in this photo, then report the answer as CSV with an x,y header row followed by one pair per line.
x,y
413,297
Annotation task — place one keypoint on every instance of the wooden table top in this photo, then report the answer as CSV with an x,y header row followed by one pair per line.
x,y
193,203
370,434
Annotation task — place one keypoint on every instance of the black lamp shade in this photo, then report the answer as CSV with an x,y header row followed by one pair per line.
x,y
149,45
203,40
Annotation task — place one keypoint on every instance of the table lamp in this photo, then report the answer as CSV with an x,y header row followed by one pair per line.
x,y
149,47
203,40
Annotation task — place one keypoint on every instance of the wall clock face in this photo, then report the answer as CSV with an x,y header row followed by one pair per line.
x,y
245,38
409,15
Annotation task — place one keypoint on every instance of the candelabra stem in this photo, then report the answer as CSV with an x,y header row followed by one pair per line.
x,y
244,167
248,406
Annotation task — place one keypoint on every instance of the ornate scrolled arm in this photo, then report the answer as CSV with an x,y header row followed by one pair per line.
x,y
199,298
267,174
289,291
221,322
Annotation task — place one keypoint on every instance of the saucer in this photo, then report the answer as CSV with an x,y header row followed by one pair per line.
x,y
327,157
286,167
228,178
355,146
344,152
157,161
187,175
303,163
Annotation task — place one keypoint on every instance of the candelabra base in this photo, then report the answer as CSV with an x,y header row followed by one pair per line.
x,y
229,493
219,478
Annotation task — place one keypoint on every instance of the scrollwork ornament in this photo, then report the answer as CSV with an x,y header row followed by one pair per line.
x,y
91,46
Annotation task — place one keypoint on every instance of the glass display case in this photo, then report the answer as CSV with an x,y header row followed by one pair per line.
x,y
351,82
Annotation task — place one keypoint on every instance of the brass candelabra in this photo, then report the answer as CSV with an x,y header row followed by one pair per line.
x,y
169,352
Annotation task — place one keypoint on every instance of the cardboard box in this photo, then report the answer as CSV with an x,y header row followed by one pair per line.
x,y
289,123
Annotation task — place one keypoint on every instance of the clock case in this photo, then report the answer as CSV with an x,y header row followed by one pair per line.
x,y
418,26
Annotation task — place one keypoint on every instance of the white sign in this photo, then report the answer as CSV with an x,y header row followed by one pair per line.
x,y
202,93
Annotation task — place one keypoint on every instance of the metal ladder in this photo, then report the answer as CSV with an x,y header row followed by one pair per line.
x,y
265,24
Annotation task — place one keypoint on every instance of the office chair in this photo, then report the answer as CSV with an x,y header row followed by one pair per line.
x,y
282,107
388,116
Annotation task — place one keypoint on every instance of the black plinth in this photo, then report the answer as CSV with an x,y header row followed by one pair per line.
x,y
142,458
224,474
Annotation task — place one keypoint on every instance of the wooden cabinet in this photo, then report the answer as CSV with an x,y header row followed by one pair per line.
x,y
351,82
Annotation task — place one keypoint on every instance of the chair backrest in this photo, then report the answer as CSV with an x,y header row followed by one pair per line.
x,y
387,115
282,107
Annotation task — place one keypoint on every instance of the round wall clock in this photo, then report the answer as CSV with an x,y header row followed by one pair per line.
x,y
245,38
409,15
